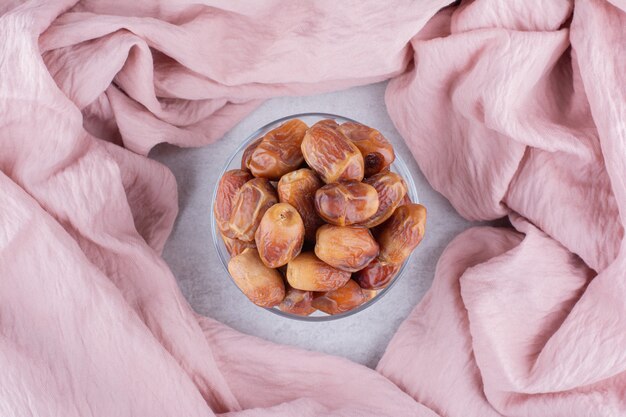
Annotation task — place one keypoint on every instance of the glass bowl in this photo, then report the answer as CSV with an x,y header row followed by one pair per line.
x,y
234,162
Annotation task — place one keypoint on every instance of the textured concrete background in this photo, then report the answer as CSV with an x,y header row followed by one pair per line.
x,y
204,282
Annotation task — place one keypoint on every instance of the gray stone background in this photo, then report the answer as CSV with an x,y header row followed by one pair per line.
x,y
206,285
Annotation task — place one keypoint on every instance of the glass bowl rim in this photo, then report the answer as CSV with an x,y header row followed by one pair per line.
x,y
412,190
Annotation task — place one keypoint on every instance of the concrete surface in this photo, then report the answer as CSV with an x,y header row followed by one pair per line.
x,y
204,282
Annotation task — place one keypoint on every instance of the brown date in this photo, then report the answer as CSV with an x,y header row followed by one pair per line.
x,y
376,275
349,248
247,154
262,285
391,190
280,235
340,300
376,150
251,202
346,203
402,233
297,302
236,246
333,156
308,273
298,189
279,152
227,189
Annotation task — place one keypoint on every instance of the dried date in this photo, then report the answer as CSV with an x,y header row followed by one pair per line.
x,y
391,190
376,275
349,248
279,152
402,233
251,202
297,302
340,300
280,235
333,156
227,190
376,150
298,189
346,203
262,285
308,273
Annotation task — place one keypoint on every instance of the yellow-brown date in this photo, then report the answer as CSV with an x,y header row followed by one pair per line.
x,y
376,275
333,156
262,285
349,248
376,150
279,152
227,189
251,202
297,302
298,189
280,235
391,190
345,203
402,233
340,300
308,273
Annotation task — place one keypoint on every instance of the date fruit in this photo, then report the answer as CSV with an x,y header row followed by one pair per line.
x,y
391,190
346,203
280,235
376,275
402,233
340,300
297,302
376,149
251,202
247,154
308,273
298,189
279,152
262,285
227,189
331,154
349,248
236,246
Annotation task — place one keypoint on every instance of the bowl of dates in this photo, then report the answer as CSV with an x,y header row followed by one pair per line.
x,y
315,216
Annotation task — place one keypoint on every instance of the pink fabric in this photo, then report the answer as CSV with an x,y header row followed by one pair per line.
x,y
510,108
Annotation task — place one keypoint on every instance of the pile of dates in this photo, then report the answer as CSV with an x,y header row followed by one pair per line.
x,y
314,219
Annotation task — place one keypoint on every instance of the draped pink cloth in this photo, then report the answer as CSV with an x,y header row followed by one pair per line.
x,y
511,108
